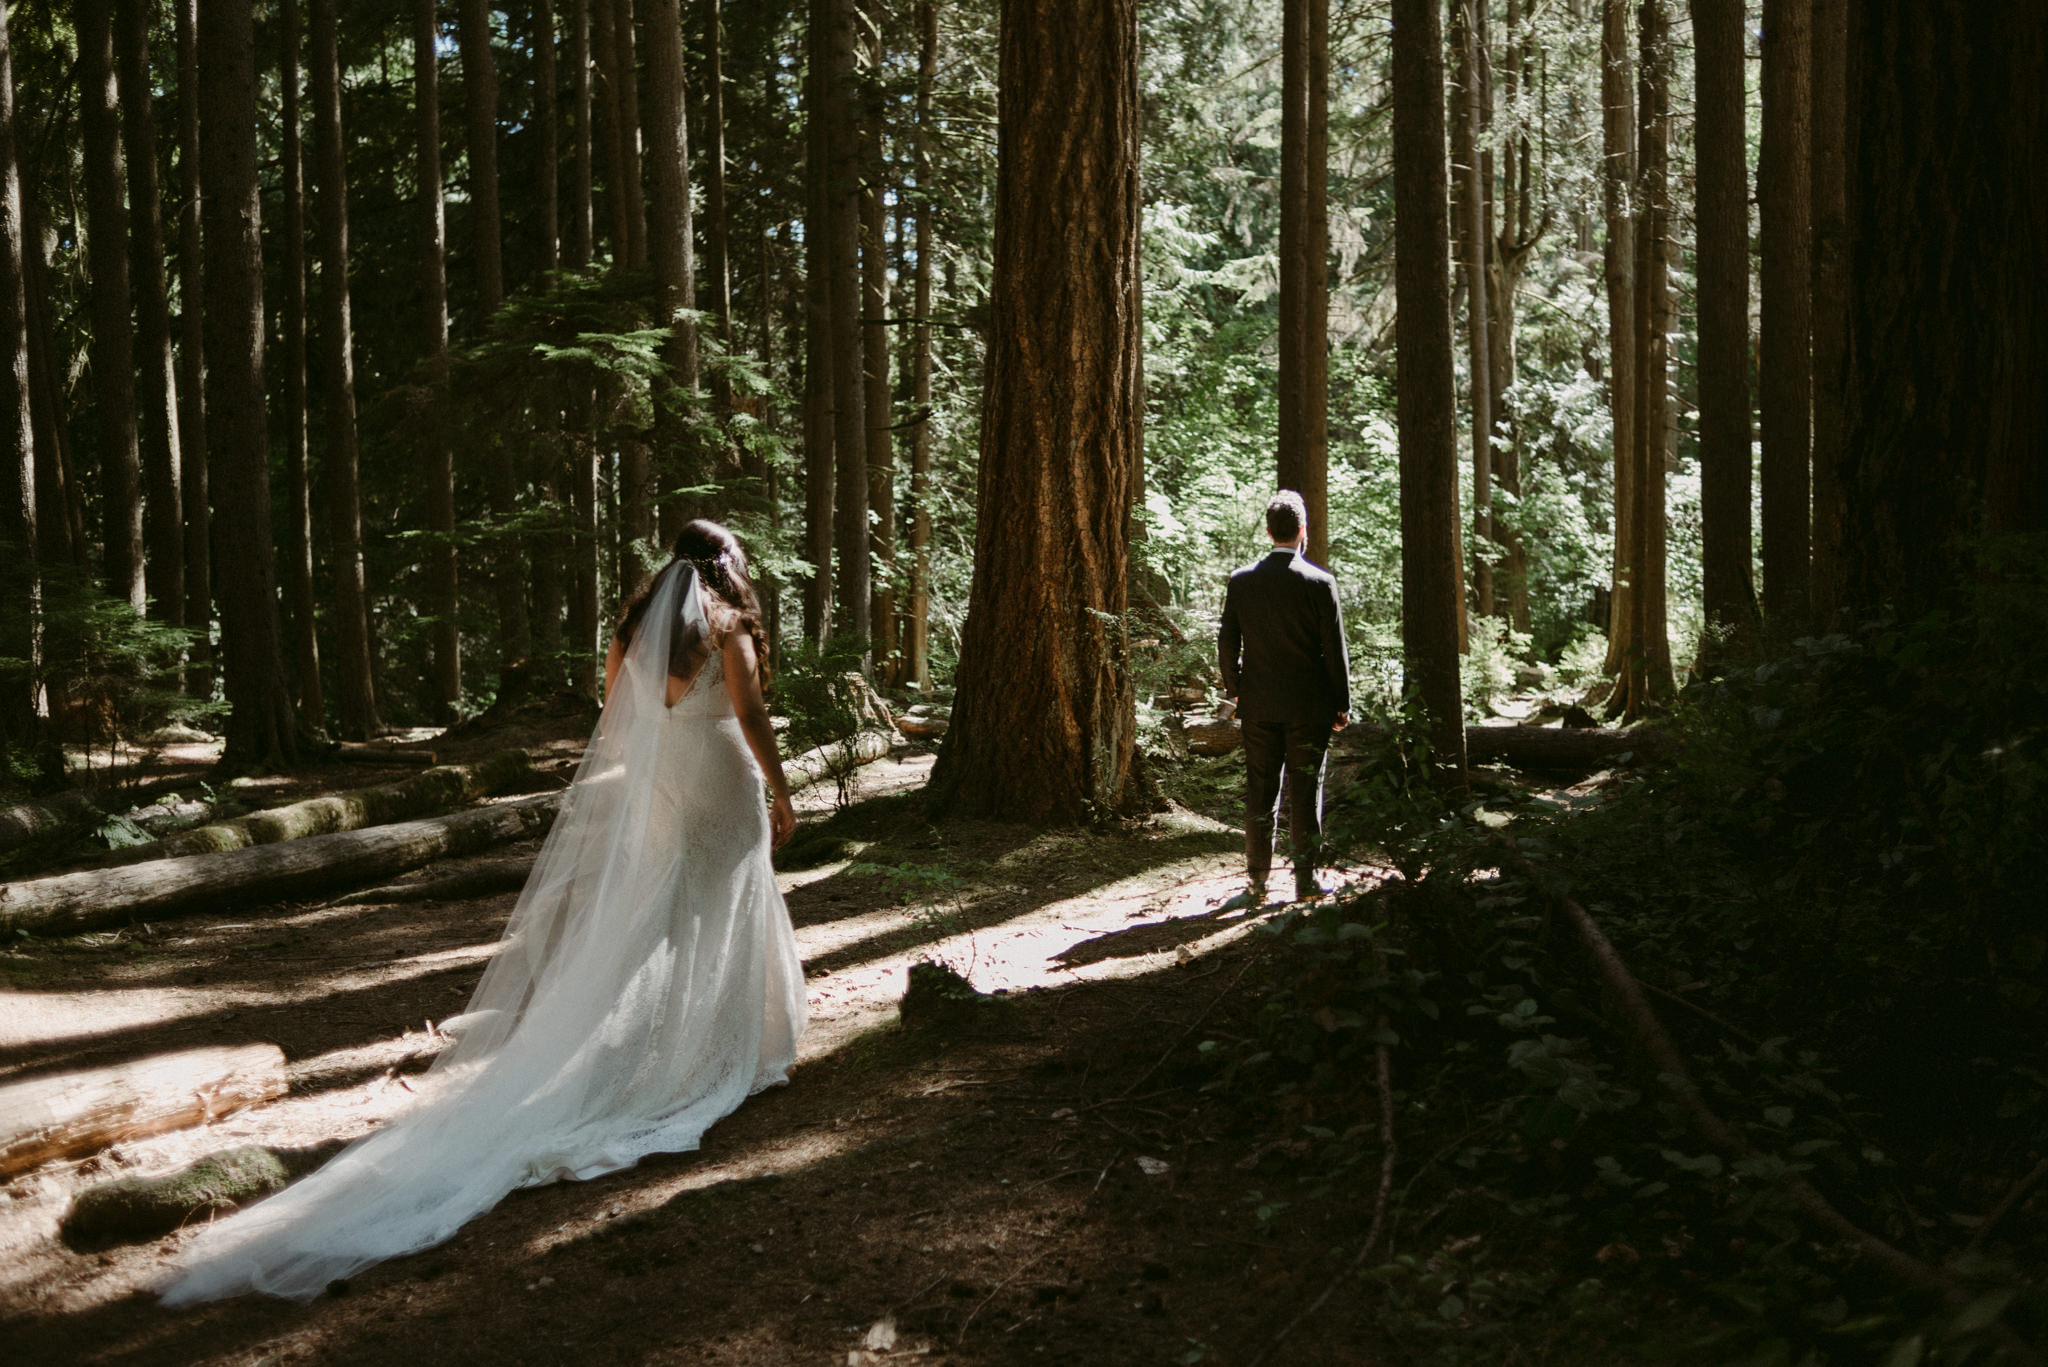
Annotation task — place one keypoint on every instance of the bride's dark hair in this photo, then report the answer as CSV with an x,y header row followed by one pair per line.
x,y
721,564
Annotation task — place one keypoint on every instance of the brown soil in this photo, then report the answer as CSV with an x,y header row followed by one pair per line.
x,y
966,1188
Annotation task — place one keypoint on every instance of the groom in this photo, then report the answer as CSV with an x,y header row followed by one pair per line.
x,y
1281,646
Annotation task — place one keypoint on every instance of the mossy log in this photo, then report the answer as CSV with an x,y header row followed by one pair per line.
x,y
70,1114
66,903
143,1207
29,821
433,790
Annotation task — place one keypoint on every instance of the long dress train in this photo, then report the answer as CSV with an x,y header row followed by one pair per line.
x,y
646,984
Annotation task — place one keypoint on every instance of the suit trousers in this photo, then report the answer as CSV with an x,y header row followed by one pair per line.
x,y
1284,759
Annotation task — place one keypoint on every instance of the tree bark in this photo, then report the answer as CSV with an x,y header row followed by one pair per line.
x,y
921,373
192,448
442,572
1784,194
616,130
877,400
298,550
261,728
354,663
1829,180
549,152
19,577
1303,459
849,382
60,511
1470,193
480,101
1648,669
582,224
67,903
69,1115
1618,170
820,466
672,247
717,231
113,333
630,120
1044,724
1425,396
1948,331
1722,208
155,368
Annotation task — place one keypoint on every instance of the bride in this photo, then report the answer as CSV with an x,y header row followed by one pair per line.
x,y
646,984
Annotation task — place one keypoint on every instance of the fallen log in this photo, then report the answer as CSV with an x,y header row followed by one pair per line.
x,y
434,790
143,1207
70,1114
837,757
382,754
1539,749
27,821
66,903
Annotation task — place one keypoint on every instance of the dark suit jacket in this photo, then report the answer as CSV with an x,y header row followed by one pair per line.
x,y
1281,644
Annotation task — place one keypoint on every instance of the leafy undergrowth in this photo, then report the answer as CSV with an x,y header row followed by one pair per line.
x,y
1832,896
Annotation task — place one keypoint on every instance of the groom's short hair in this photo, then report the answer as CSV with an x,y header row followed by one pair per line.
x,y
1286,515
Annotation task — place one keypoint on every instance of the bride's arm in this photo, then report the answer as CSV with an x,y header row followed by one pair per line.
x,y
743,685
613,658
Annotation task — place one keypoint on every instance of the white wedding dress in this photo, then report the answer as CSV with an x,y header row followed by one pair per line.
x,y
647,983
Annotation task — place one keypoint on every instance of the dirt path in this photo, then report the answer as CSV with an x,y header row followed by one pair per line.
x,y
971,1187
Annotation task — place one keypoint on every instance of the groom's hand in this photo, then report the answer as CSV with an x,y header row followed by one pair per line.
x,y
1343,720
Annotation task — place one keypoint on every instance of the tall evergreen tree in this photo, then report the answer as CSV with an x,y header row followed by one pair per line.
x,y
442,571
1784,193
672,246
820,463
18,568
849,385
192,434
1828,169
1303,447
297,576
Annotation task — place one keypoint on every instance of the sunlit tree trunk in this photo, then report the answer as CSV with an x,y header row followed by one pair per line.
x,y
19,579
354,654
1509,246
877,401
919,645
1425,397
155,368
1784,192
261,728
1722,210
1647,671
1829,172
113,333
1303,447
1044,722
297,568
1470,196
820,465
439,471
1618,169
192,436
849,374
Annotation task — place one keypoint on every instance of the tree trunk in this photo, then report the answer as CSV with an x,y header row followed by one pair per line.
x,y
480,100
849,375
616,130
354,663
1304,251
1648,669
629,124
298,550
1722,208
1510,244
442,573
820,467
192,445
113,334
69,1115
1470,194
19,578
672,246
1948,331
67,903
1617,124
717,234
877,401
582,225
1044,724
549,152
583,644
1784,192
921,373
155,368
1829,180
60,512
261,728
1425,394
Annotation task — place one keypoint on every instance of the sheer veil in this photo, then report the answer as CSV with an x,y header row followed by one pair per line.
x,y
621,1015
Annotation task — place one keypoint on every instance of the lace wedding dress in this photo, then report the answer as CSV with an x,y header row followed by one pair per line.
x,y
646,984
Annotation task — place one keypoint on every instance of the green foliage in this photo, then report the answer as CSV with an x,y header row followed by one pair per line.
x,y
811,690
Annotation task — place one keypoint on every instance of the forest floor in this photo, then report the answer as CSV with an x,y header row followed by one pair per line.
x,y
1032,1176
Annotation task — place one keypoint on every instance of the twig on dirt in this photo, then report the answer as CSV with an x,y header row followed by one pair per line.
x,y
1100,1176
1025,1267
1642,1021
2006,1206
1379,1205
1181,1038
1048,1181
1675,999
